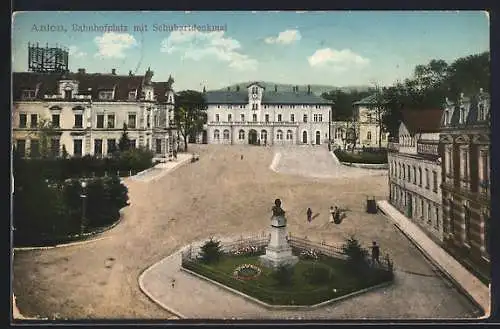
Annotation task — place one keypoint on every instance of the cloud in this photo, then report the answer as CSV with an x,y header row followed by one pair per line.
x,y
337,59
113,45
197,45
75,52
285,37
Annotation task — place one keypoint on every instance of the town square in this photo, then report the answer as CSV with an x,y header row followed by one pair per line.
x,y
219,187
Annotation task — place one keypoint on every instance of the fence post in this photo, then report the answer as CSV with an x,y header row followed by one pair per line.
x,y
130,173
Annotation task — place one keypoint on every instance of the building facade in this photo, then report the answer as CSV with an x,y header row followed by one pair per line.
x,y
86,113
367,124
415,171
465,136
258,116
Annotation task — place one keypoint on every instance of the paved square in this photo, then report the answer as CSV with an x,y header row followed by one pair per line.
x,y
222,194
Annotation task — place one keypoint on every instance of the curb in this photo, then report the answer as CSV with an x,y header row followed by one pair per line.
x,y
146,292
165,172
334,157
372,166
441,270
288,307
86,238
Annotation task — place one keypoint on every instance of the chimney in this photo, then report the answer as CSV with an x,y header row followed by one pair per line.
x,y
81,71
228,88
275,88
113,71
308,89
130,73
238,88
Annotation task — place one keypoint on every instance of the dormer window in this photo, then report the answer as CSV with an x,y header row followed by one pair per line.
x,y
481,113
131,95
462,115
28,94
68,94
106,95
446,115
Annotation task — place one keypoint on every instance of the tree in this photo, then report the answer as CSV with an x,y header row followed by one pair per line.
x,y
380,108
124,143
211,251
44,133
189,114
356,254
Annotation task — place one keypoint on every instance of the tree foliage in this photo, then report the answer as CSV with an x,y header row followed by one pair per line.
x,y
356,254
124,142
211,251
189,113
343,103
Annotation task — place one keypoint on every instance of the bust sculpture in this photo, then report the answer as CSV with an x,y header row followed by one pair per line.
x,y
277,210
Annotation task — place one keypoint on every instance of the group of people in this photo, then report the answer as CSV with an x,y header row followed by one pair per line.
x,y
335,215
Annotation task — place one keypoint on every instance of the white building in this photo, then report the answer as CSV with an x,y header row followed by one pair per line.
x,y
86,112
368,124
415,170
256,115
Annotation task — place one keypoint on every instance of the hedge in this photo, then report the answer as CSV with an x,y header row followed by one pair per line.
x,y
378,157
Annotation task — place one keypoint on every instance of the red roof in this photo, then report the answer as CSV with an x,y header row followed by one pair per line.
x,y
423,120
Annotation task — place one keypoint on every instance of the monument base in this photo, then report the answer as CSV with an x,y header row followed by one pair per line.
x,y
276,258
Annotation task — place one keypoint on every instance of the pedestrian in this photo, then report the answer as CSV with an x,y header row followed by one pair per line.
x,y
309,214
336,216
241,157
332,214
375,253
173,283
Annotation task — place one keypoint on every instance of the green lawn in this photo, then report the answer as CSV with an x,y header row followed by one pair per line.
x,y
300,291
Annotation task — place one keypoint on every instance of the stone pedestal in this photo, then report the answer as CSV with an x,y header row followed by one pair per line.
x,y
278,251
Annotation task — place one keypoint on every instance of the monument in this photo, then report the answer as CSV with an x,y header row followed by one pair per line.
x,y
278,251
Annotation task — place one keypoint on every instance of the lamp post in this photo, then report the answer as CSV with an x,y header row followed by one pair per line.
x,y
84,197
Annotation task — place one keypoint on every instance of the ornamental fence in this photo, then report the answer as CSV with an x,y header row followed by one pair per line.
x,y
256,243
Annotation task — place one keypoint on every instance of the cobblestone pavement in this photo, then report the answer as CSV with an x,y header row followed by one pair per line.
x,y
220,194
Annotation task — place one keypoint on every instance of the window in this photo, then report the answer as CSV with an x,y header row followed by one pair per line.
x,y
292,117
131,95
131,121
289,135
420,177
106,95
241,134
409,173
22,120
437,217
486,232
34,148
399,170
229,117
435,181
254,106
414,175
34,121
320,117
279,135
315,117
267,117
422,215
304,118
68,94
28,94
100,121
254,117
429,213
464,164
242,118
55,146
263,135
77,147
369,117
148,121
369,135
467,224
78,121
158,146
21,147
216,134
384,137
97,146
484,168
225,134
55,120
279,117
451,216
111,146
404,171
111,121
216,118
133,144
427,180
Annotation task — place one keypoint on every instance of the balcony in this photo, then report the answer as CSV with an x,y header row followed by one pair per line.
x,y
428,148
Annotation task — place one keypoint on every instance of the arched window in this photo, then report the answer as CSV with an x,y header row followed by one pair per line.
x,y
263,135
226,134
241,134
369,135
279,135
216,134
304,137
289,135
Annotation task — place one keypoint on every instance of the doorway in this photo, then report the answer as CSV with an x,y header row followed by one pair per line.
x,y
318,137
304,137
252,137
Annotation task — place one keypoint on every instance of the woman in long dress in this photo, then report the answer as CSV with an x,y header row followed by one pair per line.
x,y
332,214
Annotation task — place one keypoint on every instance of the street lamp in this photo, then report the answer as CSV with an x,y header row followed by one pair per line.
x,y
84,197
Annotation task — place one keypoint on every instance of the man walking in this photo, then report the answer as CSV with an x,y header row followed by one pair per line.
x,y
375,253
309,215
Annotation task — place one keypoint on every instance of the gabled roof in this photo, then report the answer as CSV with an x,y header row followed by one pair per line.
x,y
271,97
423,120
161,89
256,84
369,100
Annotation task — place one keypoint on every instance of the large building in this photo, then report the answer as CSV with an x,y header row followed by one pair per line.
x,y
267,117
465,135
367,124
415,170
86,112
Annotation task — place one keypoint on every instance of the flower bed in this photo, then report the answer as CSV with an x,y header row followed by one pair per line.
x,y
247,272
246,250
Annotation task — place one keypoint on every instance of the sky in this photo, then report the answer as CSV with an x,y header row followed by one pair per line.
x,y
216,49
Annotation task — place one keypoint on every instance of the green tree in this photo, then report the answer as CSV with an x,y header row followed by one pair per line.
x,y
356,254
211,251
124,142
189,114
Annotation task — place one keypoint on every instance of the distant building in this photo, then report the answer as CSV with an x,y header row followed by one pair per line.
x,y
415,170
86,112
465,136
255,115
367,125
